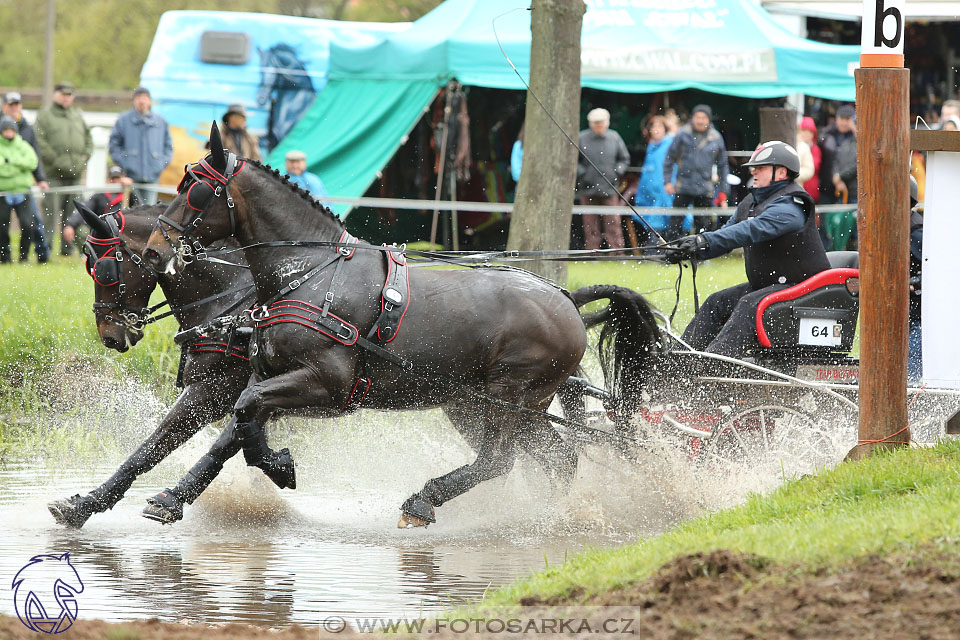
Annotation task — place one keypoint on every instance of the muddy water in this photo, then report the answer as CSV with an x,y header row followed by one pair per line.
x,y
247,552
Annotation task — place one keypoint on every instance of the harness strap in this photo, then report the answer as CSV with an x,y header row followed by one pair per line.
x,y
197,303
310,316
394,299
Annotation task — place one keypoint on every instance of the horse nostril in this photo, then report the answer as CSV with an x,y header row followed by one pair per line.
x,y
111,343
152,256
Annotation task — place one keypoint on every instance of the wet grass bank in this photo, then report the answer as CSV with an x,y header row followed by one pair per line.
x,y
897,510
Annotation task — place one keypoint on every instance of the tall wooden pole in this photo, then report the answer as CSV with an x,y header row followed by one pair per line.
x,y
48,54
883,222
778,123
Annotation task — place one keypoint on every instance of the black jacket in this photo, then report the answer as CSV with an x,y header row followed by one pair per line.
x,y
792,257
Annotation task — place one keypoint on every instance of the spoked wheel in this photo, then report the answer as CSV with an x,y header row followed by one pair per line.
x,y
772,440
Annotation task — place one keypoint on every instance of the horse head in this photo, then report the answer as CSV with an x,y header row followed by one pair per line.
x,y
122,287
45,593
245,199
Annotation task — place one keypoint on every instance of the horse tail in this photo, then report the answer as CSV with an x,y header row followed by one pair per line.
x,y
631,343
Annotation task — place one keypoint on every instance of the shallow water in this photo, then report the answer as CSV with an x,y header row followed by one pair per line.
x,y
248,552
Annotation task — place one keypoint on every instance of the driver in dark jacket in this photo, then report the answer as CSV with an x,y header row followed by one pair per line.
x,y
777,228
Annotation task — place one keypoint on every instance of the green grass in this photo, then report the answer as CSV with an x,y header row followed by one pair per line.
x,y
896,502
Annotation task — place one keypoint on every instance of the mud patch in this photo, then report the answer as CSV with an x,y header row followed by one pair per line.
x,y
722,595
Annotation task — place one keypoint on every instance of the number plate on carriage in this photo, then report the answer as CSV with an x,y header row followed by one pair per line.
x,y
825,332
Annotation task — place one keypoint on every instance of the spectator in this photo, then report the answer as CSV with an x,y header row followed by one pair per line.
x,y
650,190
141,144
235,135
296,162
17,163
597,182
949,109
839,147
13,107
65,146
516,155
915,335
951,123
808,134
101,203
696,150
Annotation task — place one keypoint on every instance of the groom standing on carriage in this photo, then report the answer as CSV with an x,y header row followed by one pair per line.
x,y
776,226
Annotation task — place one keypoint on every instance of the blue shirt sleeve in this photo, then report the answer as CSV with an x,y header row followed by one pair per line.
x,y
781,217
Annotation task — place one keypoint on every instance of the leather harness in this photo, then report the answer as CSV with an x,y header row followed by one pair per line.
x,y
394,302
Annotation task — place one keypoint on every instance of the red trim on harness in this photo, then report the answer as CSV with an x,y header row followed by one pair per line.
x,y
353,393
115,201
287,316
822,279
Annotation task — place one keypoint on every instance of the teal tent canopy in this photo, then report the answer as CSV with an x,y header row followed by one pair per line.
x,y
377,92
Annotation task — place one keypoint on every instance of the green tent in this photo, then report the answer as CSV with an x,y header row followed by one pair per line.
x,y
377,93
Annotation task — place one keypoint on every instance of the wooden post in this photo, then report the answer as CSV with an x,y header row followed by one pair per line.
x,y
778,123
883,152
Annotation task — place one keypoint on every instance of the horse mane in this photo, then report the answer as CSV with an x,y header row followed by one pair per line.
x,y
303,193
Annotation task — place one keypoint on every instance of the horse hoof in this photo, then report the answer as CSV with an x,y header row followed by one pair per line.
x,y
281,470
72,512
408,521
164,508
416,512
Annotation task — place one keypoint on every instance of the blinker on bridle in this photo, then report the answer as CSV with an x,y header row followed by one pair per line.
x,y
104,256
203,183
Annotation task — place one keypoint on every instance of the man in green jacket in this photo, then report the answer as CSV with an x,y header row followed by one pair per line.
x,y
17,162
65,146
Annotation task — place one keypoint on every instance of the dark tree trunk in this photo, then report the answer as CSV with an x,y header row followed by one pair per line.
x,y
541,219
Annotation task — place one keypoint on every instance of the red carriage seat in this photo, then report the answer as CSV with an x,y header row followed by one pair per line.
x,y
819,314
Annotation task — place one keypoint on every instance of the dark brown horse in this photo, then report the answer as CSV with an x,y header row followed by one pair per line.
x,y
491,346
212,378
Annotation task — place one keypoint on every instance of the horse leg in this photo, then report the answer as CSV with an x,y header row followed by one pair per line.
x,y
537,437
167,506
291,390
198,404
495,458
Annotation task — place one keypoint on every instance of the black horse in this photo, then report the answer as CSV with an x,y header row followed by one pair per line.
x,y
491,346
212,378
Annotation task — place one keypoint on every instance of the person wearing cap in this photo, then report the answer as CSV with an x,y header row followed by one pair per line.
x,y
296,162
13,107
140,143
65,146
838,173
17,162
101,203
598,180
236,138
776,226
808,135
697,150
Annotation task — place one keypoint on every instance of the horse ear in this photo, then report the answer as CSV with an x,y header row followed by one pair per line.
x,y
217,159
97,225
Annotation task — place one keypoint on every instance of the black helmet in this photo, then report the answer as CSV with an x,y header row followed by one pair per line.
x,y
778,154
914,192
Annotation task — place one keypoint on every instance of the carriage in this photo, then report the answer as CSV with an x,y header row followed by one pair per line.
x,y
792,403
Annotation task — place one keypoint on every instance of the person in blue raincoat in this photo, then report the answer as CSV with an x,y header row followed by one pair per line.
x,y
650,189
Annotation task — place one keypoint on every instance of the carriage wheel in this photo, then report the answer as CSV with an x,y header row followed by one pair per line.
x,y
774,441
